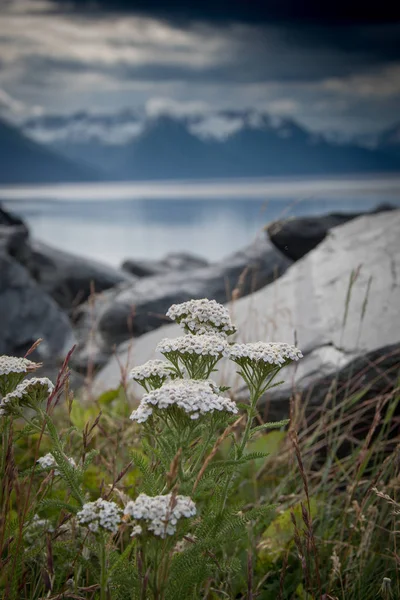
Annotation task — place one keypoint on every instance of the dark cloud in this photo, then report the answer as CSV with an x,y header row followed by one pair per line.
x,y
330,65
253,11
370,30
261,55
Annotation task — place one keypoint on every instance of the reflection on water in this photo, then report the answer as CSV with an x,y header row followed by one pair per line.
x,y
115,229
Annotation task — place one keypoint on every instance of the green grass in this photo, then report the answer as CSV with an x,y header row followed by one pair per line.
x,y
331,535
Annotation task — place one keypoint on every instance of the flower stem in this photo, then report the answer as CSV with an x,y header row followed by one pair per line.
x,y
254,397
103,570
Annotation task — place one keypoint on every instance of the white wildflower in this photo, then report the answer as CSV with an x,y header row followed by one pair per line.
x,y
28,386
36,527
100,514
152,368
14,364
202,316
195,397
161,513
137,530
142,413
153,372
262,352
30,389
48,462
202,345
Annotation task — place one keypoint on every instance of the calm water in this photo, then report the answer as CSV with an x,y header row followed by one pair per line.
x,y
212,219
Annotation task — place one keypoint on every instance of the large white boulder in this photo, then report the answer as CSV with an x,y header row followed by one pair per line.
x,y
339,302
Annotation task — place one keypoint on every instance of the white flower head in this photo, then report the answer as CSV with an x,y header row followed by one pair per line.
x,y
48,462
197,354
195,397
27,392
14,364
203,345
161,513
202,316
100,514
12,371
136,530
277,354
37,527
152,373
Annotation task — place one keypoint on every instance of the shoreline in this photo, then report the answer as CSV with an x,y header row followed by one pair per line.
x,y
265,188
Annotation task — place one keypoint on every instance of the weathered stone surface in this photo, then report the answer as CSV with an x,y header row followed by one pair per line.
x,y
308,303
68,278
376,373
13,241
297,236
139,308
175,261
27,313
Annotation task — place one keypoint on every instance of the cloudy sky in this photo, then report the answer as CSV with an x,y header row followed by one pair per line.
x,y
332,68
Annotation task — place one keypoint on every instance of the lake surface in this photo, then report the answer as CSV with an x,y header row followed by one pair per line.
x,y
113,222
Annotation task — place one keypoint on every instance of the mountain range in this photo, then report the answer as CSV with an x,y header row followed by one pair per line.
x,y
22,160
126,146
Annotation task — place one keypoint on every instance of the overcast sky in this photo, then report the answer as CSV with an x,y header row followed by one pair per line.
x,y
328,67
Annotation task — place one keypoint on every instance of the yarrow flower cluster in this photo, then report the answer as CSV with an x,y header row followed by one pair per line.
x,y
48,462
262,352
152,368
100,514
194,397
12,371
37,527
203,345
36,388
161,513
14,364
136,530
202,316
153,372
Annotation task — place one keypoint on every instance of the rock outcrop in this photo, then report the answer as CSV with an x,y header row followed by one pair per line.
x,y
27,313
340,303
296,237
132,310
175,261
69,279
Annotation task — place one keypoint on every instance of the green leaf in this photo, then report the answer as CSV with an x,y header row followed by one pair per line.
x,y
108,396
267,426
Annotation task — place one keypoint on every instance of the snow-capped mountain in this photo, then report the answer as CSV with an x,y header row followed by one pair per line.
x,y
130,145
23,160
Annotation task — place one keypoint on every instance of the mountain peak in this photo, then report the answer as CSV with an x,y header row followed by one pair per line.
x,y
223,144
25,161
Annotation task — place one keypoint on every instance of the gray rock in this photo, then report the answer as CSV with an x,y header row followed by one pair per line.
x,y
308,304
132,310
14,241
27,313
9,219
376,373
67,278
295,237
175,261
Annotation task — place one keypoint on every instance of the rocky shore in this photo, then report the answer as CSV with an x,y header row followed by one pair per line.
x,y
332,283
